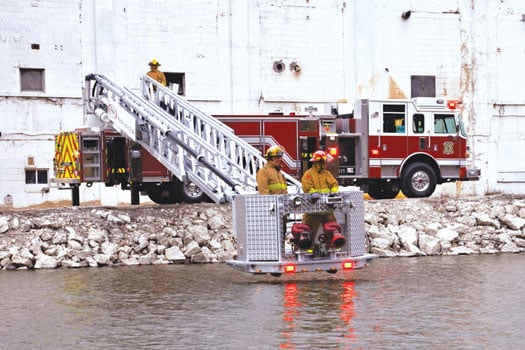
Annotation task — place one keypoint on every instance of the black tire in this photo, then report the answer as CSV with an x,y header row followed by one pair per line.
x,y
189,192
165,193
419,180
383,190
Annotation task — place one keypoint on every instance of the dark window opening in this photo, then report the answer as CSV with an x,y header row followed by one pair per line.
x,y
418,122
32,79
176,82
423,86
394,118
38,176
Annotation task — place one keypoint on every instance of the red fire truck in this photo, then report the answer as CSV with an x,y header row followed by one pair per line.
x,y
90,156
384,147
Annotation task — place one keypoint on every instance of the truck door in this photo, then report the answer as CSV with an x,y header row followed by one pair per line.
x,y
392,138
90,150
445,145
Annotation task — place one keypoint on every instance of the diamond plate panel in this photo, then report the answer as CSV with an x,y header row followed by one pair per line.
x,y
257,227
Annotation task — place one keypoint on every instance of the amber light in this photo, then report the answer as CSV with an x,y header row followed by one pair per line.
x,y
348,265
289,268
375,152
332,151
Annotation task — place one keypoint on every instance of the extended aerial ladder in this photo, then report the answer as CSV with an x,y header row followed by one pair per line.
x,y
192,145
198,148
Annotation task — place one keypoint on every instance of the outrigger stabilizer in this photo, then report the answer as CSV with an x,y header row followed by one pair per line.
x,y
269,242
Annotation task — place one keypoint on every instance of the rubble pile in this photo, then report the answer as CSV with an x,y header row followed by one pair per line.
x,y
202,233
446,226
89,237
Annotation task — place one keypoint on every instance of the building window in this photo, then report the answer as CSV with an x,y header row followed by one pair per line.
x,y
32,79
423,85
176,82
36,176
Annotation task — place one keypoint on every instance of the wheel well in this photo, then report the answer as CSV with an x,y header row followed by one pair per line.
x,y
422,158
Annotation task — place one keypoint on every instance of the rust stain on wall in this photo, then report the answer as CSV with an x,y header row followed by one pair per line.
x,y
394,91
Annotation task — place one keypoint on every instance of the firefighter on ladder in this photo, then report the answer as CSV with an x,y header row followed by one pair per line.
x,y
318,181
270,179
155,73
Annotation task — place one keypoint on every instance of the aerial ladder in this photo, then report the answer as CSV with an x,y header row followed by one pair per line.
x,y
192,145
199,148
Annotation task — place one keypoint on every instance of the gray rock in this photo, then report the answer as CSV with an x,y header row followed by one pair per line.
x,y
512,221
96,235
43,261
174,254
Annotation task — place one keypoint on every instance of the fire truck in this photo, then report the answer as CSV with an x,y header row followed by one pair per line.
x,y
382,146
385,146
160,144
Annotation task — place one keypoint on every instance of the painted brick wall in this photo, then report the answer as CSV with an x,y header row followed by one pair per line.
x,y
227,48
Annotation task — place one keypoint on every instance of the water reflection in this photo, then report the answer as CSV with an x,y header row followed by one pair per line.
x,y
318,314
469,302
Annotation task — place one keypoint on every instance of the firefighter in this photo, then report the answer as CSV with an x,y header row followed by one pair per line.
x,y
270,179
155,73
318,180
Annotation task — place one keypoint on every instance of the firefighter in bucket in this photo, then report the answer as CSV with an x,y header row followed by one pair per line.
x,y
270,179
318,181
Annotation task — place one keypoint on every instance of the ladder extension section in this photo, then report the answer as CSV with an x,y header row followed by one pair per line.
x,y
192,145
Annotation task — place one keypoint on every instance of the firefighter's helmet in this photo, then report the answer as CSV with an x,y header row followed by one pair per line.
x,y
321,156
154,62
274,151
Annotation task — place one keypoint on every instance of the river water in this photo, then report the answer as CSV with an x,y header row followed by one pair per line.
x,y
453,302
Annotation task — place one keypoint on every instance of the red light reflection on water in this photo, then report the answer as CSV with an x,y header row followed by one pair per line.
x,y
291,311
293,307
347,308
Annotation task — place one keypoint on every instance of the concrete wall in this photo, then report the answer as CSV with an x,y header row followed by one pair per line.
x,y
227,50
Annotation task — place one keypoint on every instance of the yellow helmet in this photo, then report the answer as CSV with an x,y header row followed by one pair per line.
x,y
154,62
274,151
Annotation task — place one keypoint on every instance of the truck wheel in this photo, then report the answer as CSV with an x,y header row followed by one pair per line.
x,y
165,193
383,190
419,180
189,192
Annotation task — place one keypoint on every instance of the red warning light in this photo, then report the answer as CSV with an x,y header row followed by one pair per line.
x,y
451,104
375,151
348,265
332,151
289,268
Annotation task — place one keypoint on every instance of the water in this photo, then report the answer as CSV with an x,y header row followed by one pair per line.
x,y
461,302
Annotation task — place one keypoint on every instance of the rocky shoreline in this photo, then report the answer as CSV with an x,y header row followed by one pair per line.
x,y
202,233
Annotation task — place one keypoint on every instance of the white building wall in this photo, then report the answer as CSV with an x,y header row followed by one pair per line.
x,y
227,50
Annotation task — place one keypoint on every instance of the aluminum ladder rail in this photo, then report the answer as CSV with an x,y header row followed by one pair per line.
x,y
219,168
217,134
187,156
